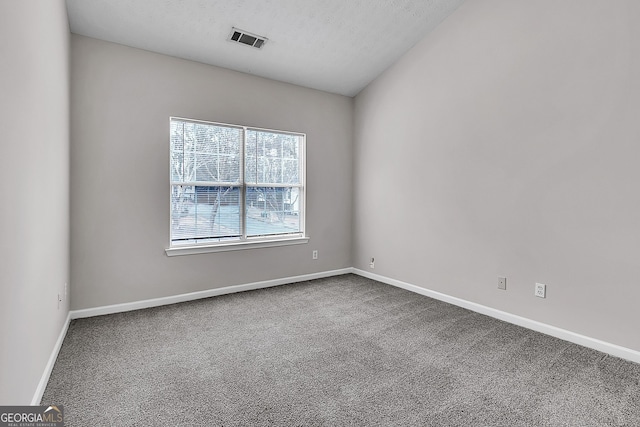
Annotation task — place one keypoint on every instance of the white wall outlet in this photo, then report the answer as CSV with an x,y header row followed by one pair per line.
x,y
502,283
541,290
372,263
314,254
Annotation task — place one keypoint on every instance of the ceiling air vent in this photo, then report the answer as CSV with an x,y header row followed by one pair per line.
x,y
247,38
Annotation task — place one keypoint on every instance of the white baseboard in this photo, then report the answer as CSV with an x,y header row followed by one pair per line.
x,y
42,385
563,334
156,302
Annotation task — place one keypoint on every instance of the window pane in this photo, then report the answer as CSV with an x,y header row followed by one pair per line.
x,y
202,213
250,165
205,152
217,153
189,148
272,158
272,210
290,171
177,150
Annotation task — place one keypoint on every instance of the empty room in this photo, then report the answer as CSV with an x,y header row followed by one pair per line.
x,y
339,212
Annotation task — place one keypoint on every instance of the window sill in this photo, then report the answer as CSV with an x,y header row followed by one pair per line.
x,y
234,246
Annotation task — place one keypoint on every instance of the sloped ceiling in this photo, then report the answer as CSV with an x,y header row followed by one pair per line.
x,y
336,46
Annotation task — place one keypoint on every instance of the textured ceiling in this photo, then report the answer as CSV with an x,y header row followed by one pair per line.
x,y
337,46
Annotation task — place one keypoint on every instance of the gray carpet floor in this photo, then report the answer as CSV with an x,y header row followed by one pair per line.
x,y
342,351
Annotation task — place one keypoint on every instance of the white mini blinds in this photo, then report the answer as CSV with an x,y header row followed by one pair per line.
x,y
234,183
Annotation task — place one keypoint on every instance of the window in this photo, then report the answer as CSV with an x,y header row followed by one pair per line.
x,y
233,185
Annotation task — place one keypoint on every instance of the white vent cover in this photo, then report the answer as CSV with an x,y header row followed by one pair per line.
x,y
245,37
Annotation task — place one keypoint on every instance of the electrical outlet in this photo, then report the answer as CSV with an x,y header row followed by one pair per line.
x,y
314,255
502,283
541,290
372,263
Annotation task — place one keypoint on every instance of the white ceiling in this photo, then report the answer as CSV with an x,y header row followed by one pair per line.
x,y
337,46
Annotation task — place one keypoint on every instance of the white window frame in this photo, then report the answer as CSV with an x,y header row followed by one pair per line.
x,y
244,242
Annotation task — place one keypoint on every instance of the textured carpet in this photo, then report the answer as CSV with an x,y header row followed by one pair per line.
x,y
339,351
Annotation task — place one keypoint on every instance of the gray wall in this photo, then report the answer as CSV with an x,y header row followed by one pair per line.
x,y
34,186
507,143
121,100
